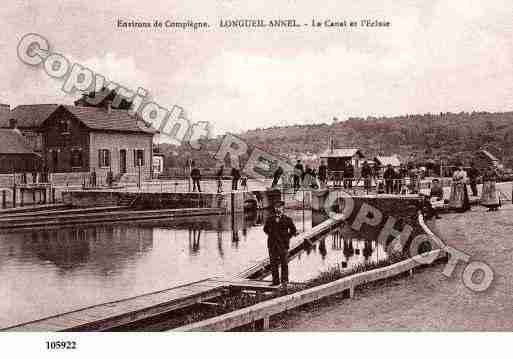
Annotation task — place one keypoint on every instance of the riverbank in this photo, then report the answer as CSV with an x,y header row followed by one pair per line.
x,y
429,300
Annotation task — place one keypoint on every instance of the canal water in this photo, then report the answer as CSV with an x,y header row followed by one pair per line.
x,y
51,271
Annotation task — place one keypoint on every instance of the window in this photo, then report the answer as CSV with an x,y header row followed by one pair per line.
x,y
65,126
104,158
138,158
76,157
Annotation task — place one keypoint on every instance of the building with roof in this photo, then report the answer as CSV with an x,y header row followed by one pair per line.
x,y
484,159
337,158
16,155
384,161
80,139
28,119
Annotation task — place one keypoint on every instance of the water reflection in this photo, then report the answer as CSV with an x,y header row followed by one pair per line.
x,y
104,248
46,272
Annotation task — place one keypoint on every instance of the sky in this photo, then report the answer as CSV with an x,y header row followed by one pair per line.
x,y
437,56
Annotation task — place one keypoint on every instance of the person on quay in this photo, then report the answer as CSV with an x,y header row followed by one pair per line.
x,y
397,181
235,178
459,194
366,175
436,194
219,178
298,174
276,176
92,178
376,172
473,174
490,197
196,178
279,229
244,182
437,191
309,180
403,173
323,174
348,175
389,177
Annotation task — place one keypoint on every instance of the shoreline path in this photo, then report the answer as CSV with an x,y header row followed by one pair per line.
x,y
429,300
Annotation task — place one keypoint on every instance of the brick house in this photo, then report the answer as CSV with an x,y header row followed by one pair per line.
x,y
80,139
15,154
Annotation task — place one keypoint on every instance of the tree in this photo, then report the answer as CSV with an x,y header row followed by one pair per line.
x,y
102,97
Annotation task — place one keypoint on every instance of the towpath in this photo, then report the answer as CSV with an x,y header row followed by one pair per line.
x,y
429,300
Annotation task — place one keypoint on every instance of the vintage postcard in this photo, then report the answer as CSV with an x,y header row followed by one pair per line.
x,y
255,166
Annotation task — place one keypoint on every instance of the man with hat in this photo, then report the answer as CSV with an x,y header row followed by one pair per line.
x,y
279,229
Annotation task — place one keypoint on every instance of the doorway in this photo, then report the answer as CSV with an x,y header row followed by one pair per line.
x,y
122,161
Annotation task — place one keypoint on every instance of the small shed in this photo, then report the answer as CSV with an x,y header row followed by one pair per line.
x,y
16,155
337,158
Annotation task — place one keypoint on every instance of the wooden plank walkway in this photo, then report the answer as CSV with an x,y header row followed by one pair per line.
x,y
114,314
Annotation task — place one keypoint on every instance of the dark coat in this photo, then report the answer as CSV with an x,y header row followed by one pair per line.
x,y
279,233
473,173
366,171
323,171
195,173
235,173
220,172
278,172
389,174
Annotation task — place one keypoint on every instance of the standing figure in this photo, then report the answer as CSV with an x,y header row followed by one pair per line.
x,y
376,172
244,183
473,174
219,179
436,192
366,175
309,179
235,178
436,195
348,175
276,176
459,194
196,178
298,174
389,177
414,180
92,178
403,173
323,174
279,229
490,196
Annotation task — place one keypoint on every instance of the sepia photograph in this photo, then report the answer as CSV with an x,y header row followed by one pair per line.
x,y
296,166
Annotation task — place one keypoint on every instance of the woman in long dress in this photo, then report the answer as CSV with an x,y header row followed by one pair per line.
x,y
459,194
490,196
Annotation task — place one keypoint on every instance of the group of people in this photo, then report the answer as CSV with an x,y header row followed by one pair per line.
x,y
392,181
490,196
235,174
305,177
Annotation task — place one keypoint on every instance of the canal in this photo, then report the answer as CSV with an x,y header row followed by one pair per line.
x,y
51,271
